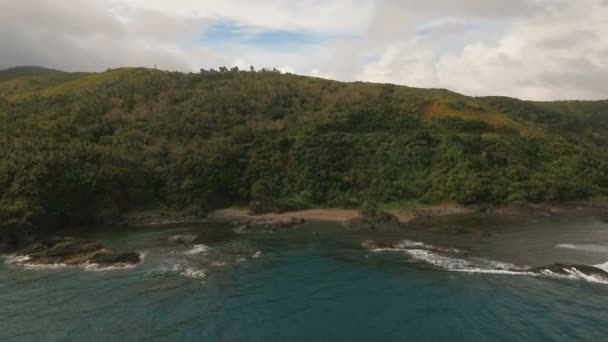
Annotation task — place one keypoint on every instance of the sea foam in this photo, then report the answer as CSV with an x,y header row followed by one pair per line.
x,y
420,252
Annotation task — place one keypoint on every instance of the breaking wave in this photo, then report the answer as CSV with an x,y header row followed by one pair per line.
x,y
589,247
24,261
448,259
197,249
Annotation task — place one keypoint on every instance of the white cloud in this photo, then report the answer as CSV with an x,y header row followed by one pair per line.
x,y
540,49
318,16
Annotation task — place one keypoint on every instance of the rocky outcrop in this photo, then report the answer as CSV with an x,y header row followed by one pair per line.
x,y
110,258
73,251
376,222
270,226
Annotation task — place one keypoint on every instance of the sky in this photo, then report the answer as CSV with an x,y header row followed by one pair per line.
x,y
530,49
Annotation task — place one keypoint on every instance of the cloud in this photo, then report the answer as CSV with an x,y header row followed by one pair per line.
x,y
534,49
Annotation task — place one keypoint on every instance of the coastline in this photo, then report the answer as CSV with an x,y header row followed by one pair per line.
x,y
337,215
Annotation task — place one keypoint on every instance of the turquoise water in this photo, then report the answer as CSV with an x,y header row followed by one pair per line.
x,y
315,283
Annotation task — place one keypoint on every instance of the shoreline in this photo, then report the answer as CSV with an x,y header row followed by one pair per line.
x,y
597,206
337,215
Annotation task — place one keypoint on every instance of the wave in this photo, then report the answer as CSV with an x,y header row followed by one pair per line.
x,y
197,249
589,247
443,259
17,259
193,273
25,262
188,272
603,266
573,273
405,245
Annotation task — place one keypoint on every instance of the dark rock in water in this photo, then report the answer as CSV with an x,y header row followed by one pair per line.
x,y
566,270
369,244
244,228
270,226
380,221
73,251
68,247
454,229
277,226
107,257
360,224
61,248
17,235
183,239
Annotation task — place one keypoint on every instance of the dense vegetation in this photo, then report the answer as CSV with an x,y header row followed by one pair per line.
x,y
82,147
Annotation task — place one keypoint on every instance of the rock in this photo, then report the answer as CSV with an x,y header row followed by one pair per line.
x,y
108,257
360,224
277,226
70,247
380,221
73,251
183,239
454,229
369,244
242,229
17,235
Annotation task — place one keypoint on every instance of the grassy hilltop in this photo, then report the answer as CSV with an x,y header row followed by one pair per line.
x,y
77,147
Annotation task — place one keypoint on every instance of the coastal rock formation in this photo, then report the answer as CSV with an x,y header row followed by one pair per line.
x,y
73,251
269,226
110,258
373,222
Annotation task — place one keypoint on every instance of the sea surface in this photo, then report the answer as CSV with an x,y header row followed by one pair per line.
x,y
318,283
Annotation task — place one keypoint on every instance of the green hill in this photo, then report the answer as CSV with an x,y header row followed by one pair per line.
x,y
79,147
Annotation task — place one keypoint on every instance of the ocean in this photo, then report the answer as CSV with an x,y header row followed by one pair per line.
x,y
321,282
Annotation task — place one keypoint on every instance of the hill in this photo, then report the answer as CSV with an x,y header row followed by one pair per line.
x,y
84,147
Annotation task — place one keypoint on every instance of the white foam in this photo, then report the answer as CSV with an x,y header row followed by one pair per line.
x,y
23,261
575,274
55,266
193,273
500,268
566,245
17,259
603,266
256,255
197,249
92,267
409,244
589,247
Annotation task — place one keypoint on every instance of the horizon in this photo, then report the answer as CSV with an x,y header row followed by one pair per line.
x,y
527,49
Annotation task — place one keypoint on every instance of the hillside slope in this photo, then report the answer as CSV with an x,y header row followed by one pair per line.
x,y
78,147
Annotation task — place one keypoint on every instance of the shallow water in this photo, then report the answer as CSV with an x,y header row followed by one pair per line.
x,y
318,283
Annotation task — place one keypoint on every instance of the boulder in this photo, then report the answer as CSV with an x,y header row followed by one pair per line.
x,y
73,251
69,247
379,221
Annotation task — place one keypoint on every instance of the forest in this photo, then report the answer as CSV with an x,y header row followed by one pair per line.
x,y
81,148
